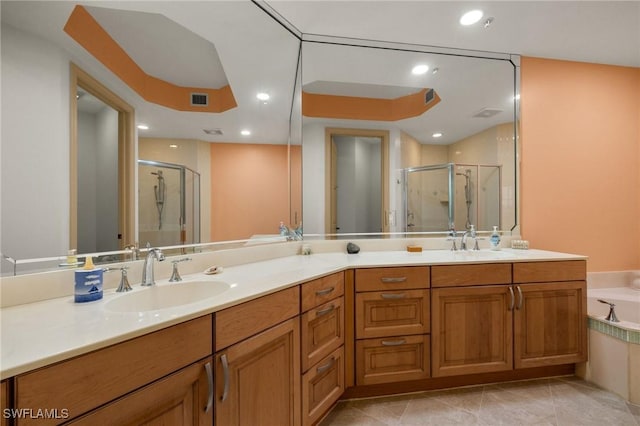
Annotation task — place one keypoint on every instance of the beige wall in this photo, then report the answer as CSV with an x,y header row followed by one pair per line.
x,y
581,160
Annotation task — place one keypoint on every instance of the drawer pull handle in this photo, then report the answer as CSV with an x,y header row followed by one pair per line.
x,y
519,298
393,342
324,291
513,298
393,295
207,367
393,279
225,372
325,311
327,366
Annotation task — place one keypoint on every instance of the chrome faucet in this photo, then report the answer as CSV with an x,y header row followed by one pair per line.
x,y
147,269
471,232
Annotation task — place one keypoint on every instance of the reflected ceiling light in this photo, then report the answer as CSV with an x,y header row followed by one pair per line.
x,y
420,69
471,17
516,97
143,127
437,135
263,96
245,132
174,146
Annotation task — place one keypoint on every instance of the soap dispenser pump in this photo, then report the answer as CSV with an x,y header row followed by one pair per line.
x,y
494,240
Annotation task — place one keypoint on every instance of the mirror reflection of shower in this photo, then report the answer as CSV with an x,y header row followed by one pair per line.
x,y
160,192
467,196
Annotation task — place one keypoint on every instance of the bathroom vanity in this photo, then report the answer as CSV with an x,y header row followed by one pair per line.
x,y
281,346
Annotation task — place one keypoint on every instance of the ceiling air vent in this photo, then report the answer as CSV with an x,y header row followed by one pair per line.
x,y
429,96
487,112
199,99
215,132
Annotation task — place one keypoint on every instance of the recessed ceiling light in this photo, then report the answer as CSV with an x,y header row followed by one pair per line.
x,y
471,17
143,127
420,69
263,96
437,135
245,132
173,145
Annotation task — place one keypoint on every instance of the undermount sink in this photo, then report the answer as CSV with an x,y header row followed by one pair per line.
x,y
483,254
166,296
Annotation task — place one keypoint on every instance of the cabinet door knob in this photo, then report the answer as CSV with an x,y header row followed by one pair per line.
x,y
325,310
209,370
328,365
513,299
393,279
393,342
393,295
324,291
225,373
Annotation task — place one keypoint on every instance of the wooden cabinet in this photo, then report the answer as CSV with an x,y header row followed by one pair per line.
x,y
490,328
392,359
4,402
392,324
86,382
258,379
184,398
550,324
322,341
322,385
472,330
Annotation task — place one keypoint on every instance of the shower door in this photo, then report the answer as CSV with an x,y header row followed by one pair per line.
x,y
168,204
443,196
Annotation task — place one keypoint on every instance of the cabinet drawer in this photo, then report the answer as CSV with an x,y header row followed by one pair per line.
x,y
88,381
392,359
317,292
535,272
392,278
182,399
464,275
322,386
247,319
322,331
392,313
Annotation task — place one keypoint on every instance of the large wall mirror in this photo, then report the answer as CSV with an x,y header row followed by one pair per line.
x,y
451,122
215,159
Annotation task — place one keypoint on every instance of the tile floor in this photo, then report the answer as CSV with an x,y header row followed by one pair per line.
x,y
555,401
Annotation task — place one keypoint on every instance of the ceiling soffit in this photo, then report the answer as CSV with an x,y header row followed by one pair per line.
x,y
87,32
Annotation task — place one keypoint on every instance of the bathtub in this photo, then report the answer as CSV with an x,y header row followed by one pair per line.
x,y
614,348
626,299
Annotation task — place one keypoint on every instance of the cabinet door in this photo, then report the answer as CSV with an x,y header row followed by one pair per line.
x,y
322,331
392,313
471,330
184,398
392,359
4,402
550,323
322,385
258,379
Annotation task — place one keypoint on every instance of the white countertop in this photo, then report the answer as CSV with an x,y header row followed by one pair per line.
x,y
41,333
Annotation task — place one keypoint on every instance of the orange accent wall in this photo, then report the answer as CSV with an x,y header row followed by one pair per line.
x,y
85,30
357,108
581,160
249,190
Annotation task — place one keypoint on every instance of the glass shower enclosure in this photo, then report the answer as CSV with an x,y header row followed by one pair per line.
x,y
439,197
168,204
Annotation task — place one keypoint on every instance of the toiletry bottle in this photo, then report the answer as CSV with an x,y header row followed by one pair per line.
x,y
88,282
494,240
283,229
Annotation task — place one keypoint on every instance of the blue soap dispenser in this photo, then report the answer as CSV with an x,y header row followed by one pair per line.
x,y
88,282
494,240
